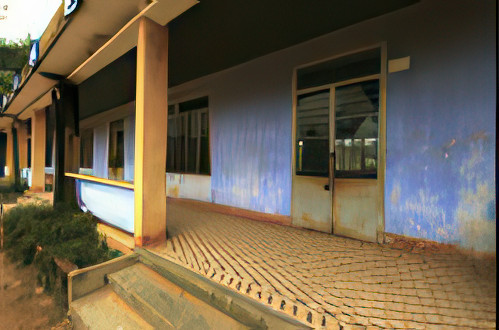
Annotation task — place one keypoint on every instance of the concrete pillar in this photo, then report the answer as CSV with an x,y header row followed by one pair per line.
x,y
38,141
66,141
150,133
22,140
9,159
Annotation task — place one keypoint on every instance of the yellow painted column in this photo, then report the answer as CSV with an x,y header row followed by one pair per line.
x,y
150,133
22,141
9,159
38,140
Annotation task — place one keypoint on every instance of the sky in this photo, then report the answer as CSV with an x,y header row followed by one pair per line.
x,y
26,16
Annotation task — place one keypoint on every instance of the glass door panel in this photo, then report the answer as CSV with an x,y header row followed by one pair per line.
x,y
312,133
356,130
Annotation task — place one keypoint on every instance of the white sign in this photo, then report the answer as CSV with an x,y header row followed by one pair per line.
x,y
70,6
16,82
399,64
33,55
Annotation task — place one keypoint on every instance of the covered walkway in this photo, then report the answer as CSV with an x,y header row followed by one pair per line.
x,y
328,281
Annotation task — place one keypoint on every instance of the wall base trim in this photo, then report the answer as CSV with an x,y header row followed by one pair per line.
x,y
421,245
231,210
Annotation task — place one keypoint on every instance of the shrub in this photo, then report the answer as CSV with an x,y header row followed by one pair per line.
x,y
40,233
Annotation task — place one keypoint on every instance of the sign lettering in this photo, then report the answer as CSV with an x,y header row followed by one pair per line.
x,y
70,6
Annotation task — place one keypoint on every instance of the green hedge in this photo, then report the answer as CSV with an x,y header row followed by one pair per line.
x,y
39,233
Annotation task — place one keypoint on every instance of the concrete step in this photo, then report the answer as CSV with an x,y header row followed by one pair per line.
x,y
164,304
104,309
230,301
145,291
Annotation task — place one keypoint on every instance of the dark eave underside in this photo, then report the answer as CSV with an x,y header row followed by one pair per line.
x,y
218,34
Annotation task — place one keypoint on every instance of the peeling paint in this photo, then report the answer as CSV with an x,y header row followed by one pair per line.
x,y
476,230
451,201
476,211
426,217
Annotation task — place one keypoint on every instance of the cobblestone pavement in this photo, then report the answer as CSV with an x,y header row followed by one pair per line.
x,y
332,282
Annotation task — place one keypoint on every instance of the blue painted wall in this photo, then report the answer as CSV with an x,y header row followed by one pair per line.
x,y
440,121
441,129
251,141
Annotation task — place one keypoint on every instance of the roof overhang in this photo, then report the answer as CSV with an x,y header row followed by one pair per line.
x,y
39,102
95,35
119,44
36,86
99,32
161,12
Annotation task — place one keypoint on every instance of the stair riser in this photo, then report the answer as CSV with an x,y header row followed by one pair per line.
x,y
166,305
235,304
146,292
76,321
104,309
144,309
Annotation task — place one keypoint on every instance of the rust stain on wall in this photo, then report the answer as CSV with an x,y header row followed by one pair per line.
x,y
173,191
307,217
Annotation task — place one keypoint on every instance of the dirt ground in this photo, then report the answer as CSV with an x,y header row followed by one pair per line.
x,y
23,305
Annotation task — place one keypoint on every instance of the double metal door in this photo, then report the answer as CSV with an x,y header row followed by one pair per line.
x,y
335,188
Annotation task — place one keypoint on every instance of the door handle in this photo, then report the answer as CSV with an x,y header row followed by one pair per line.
x,y
326,187
332,161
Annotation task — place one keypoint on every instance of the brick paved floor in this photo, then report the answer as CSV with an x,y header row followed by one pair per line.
x,y
332,282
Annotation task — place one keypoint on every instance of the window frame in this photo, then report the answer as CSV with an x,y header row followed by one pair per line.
x,y
122,112
381,76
